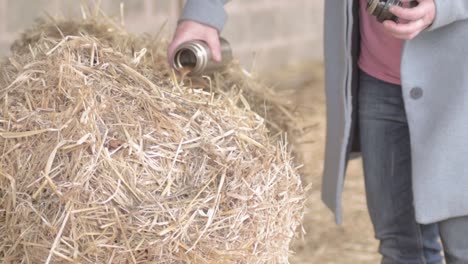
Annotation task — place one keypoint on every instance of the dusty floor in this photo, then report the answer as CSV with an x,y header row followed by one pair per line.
x,y
324,242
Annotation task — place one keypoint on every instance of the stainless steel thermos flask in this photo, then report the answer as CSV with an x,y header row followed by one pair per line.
x,y
381,8
196,58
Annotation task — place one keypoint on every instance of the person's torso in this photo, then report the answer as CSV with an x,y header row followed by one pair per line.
x,y
380,53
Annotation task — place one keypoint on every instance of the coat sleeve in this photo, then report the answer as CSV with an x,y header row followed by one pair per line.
x,y
449,11
208,12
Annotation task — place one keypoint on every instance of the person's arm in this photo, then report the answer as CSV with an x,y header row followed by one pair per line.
x,y
448,12
208,12
200,20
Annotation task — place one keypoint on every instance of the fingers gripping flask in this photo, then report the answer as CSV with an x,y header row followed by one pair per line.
x,y
381,8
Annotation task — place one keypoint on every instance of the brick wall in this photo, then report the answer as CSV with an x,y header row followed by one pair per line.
x,y
269,34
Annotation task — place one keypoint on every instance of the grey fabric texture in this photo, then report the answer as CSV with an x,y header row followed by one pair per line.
x,y
436,63
208,12
336,66
448,12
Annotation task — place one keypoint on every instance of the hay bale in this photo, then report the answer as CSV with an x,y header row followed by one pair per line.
x,y
108,158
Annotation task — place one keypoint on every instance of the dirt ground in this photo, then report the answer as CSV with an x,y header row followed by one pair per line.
x,y
325,242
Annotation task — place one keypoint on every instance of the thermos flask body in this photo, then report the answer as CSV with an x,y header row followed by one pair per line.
x,y
381,8
196,57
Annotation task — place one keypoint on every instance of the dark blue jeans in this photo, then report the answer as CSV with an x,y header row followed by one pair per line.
x,y
385,146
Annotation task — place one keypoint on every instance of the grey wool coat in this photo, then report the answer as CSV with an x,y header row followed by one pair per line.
x,y
434,76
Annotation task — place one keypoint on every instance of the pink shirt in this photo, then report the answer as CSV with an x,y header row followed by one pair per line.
x,y
380,52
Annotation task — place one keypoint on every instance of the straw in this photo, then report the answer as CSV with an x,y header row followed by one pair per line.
x,y
108,159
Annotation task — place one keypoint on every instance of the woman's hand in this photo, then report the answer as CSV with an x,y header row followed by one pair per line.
x,y
190,30
417,19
